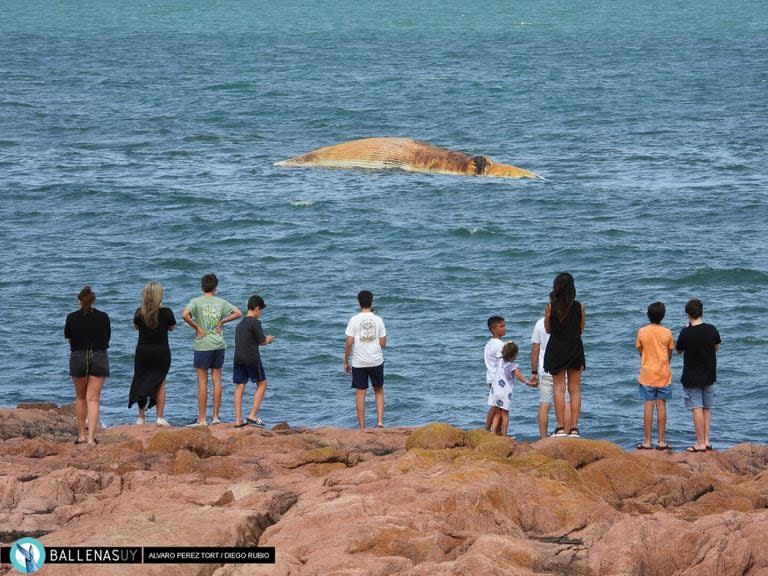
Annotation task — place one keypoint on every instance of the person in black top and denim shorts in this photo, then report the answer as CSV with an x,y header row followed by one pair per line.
x,y
88,331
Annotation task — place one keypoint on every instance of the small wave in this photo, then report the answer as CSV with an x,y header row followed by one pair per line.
x,y
15,104
714,276
301,203
466,231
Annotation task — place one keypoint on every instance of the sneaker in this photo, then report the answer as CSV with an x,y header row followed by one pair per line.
x,y
139,421
162,421
215,421
559,433
196,424
255,422
574,433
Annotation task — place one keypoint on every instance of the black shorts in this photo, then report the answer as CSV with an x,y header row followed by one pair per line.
x,y
360,377
84,363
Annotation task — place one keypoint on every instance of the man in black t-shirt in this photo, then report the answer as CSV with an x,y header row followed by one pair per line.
x,y
700,343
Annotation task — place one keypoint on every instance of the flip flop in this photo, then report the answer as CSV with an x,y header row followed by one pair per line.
x,y
709,447
641,446
663,447
694,449
243,424
78,441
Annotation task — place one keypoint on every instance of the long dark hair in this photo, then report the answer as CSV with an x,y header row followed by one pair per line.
x,y
86,297
563,295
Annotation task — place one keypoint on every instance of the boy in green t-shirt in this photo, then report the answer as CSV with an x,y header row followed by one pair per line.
x,y
207,314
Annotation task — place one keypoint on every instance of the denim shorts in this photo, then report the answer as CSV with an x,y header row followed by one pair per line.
x,y
360,377
241,373
545,388
209,358
84,363
650,393
699,397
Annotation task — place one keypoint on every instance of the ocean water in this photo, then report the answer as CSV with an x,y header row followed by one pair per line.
x,y
137,143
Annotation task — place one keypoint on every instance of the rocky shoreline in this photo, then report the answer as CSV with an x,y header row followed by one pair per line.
x,y
431,501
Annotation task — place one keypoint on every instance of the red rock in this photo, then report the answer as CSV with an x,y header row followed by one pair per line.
x,y
431,501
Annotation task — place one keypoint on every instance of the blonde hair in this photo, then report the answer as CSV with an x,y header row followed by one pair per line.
x,y
151,299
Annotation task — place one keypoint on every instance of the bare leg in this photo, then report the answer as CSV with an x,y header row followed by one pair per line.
x,y
647,422
496,421
567,415
216,377
504,425
378,392
92,395
202,393
574,391
239,391
81,408
258,396
489,417
160,398
360,406
699,425
558,386
543,419
707,424
661,420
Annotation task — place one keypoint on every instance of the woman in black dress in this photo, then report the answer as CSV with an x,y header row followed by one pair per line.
x,y
153,355
88,331
564,321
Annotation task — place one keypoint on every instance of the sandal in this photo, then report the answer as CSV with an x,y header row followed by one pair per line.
x,y
559,432
642,446
663,447
694,449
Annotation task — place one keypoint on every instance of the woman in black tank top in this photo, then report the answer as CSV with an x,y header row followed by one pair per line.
x,y
564,320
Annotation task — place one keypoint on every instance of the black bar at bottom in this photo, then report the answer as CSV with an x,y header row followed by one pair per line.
x,y
5,555
209,555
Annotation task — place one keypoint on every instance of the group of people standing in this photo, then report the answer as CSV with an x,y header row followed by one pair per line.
x,y
558,360
88,331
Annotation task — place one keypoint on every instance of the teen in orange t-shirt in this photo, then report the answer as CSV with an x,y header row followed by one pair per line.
x,y
655,344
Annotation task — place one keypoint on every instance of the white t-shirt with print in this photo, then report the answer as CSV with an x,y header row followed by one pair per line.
x,y
367,329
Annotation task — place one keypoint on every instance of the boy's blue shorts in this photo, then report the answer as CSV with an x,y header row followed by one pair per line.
x,y
209,358
649,393
241,373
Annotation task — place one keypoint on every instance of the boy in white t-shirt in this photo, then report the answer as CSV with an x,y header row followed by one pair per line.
x,y
492,357
364,357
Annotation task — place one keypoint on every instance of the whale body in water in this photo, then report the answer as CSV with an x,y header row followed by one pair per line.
x,y
405,154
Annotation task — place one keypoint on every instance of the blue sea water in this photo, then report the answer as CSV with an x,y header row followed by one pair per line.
x,y
137,143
